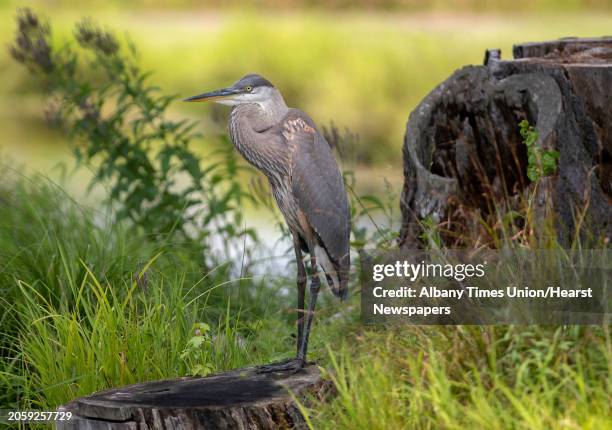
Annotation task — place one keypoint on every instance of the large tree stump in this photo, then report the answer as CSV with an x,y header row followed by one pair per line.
x,y
463,155
238,399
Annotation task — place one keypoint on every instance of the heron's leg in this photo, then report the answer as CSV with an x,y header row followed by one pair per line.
x,y
315,285
301,285
296,364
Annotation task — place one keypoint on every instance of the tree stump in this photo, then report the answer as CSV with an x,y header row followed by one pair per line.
x,y
464,159
238,399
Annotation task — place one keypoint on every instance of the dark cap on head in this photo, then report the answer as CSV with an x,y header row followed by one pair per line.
x,y
254,80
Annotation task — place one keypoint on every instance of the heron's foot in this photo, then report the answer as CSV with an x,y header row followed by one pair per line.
x,y
292,365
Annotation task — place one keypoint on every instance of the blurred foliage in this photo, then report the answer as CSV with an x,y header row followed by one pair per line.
x,y
119,123
354,4
365,70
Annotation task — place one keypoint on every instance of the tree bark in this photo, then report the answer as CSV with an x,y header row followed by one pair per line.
x,y
464,160
238,399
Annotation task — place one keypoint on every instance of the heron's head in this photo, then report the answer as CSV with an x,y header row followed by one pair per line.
x,y
250,89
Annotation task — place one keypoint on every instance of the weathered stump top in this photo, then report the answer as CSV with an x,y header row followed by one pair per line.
x,y
591,51
238,399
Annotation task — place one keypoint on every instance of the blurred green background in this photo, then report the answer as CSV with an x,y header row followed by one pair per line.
x,y
363,65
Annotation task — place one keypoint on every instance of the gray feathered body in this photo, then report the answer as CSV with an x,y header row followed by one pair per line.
x,y
305,180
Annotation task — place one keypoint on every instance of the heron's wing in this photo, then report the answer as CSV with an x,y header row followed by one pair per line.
x,y
318,186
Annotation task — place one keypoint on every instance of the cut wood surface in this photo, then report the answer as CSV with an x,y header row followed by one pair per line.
x,y
464,160
238,399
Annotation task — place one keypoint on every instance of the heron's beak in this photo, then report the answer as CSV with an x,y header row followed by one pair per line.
x,y
213,95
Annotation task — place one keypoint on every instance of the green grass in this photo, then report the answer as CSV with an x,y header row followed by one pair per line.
x,y
79,315
88,303
106,340
471,377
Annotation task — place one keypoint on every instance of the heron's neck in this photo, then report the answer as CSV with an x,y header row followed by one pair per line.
x,y
275,107
262,115
249,128
269,112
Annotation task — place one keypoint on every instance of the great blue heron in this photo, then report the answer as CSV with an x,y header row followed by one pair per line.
x,y
285,145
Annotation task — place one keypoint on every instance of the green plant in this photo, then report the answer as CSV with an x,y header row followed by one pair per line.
x,y
373,222
201,340
120,126
430,235
540,162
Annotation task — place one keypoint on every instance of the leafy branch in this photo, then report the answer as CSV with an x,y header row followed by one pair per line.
x,y
540,162
119,124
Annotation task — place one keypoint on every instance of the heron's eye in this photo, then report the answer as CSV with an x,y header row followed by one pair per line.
x,y
248,88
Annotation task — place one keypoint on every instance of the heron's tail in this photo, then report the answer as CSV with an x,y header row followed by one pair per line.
x,y
336,273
